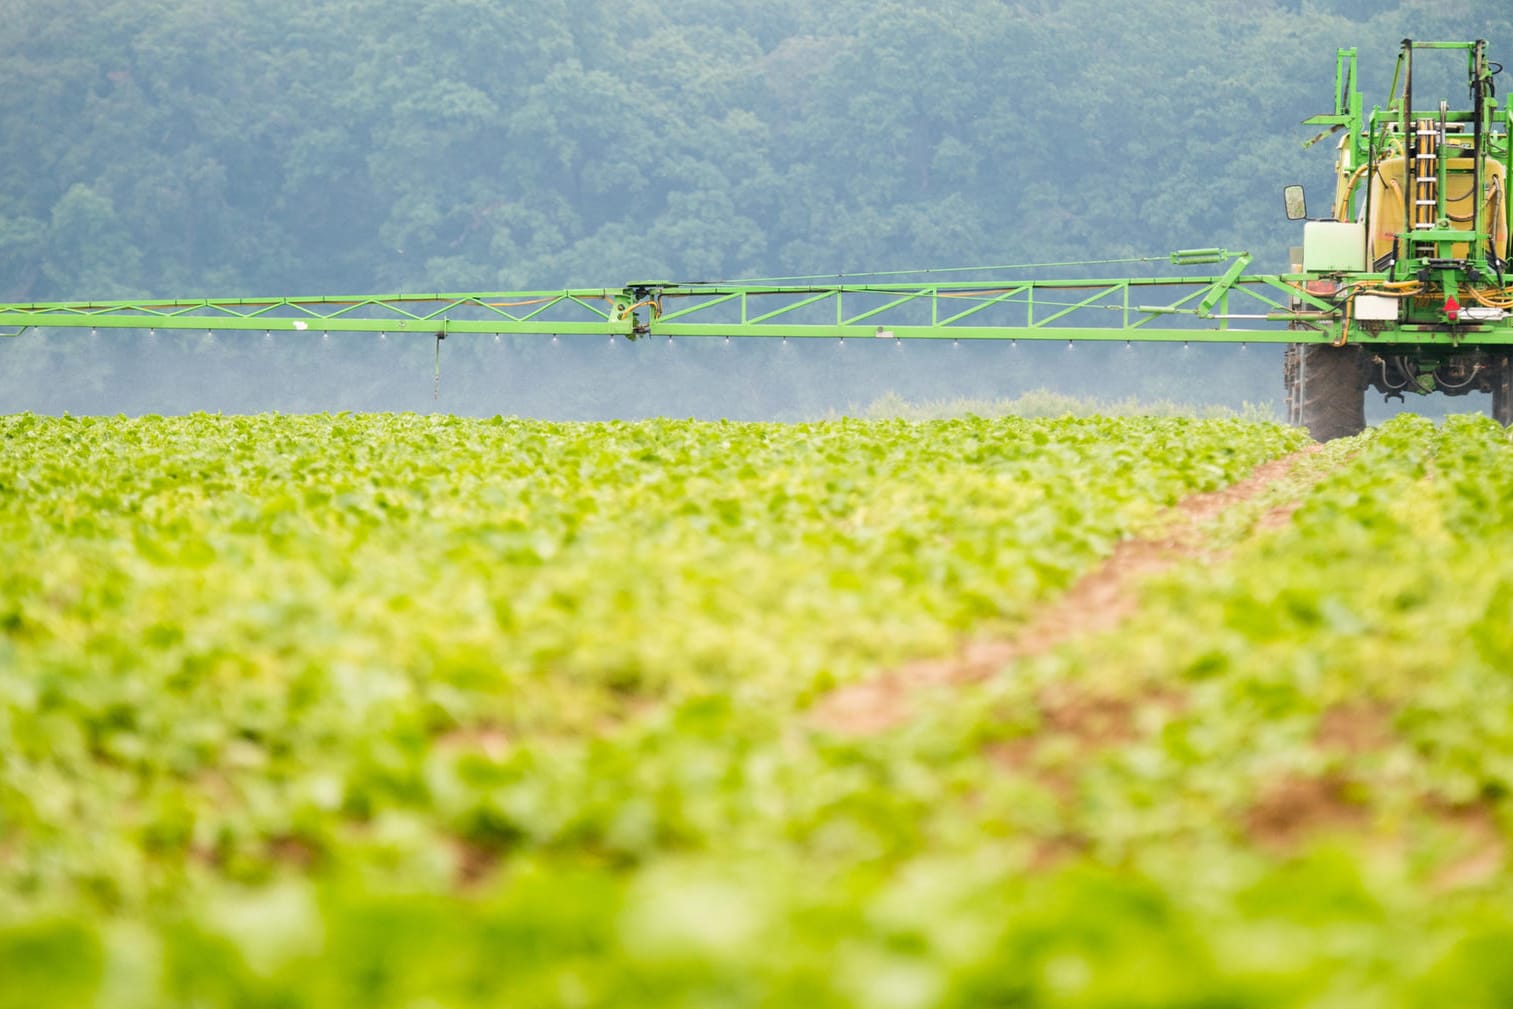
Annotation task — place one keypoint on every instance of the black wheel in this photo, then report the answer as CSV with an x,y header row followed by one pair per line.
x,y
1328,394
1502,390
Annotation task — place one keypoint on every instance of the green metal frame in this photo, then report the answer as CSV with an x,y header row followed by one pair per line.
x,y
1230,306
1369,135
1425,252
532,312
1208,308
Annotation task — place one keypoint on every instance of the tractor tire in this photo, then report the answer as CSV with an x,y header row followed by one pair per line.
x,y
1502,391
1329,391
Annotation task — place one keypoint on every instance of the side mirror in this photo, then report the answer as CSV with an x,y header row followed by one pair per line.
x,y
1297,207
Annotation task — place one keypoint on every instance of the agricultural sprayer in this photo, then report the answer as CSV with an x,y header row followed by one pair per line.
x,y
1403,287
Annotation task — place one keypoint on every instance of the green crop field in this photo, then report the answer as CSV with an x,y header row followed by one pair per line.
x,y
399,710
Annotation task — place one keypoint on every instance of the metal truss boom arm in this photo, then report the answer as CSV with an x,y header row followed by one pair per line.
x,y
1110,309
1232,307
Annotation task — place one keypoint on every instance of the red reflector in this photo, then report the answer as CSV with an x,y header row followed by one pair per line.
x,y
1452,309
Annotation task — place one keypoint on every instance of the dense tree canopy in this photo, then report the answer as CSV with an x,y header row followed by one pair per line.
x,y
179,147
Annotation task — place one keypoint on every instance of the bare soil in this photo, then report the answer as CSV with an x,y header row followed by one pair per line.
x,y
1292,809
1287,813
1098,602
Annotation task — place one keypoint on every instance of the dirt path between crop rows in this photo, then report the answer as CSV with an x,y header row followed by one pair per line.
x,y
1099,601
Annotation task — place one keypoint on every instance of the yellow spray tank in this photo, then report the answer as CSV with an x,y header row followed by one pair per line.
x,y
1395,211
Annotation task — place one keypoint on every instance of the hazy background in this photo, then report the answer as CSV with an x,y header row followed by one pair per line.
x,y
202,148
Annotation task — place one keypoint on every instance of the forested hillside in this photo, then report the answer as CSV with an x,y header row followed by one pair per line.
x,y
193,147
